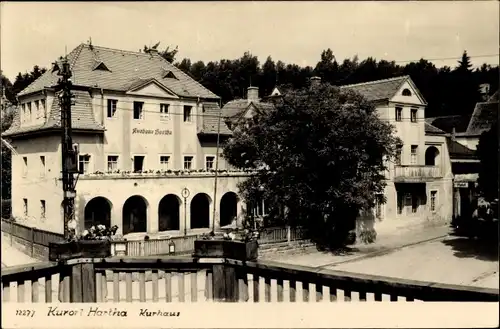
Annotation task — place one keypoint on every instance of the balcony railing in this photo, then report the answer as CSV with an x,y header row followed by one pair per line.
x,y
120,174
197,280
416,173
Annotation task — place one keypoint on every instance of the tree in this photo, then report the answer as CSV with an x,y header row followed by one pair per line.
x,y
168,54
320,155
487,151
7,117
327,68
6,86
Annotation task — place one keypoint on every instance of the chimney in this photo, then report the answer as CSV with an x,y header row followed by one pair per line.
x,y
253,94
315,81
453,134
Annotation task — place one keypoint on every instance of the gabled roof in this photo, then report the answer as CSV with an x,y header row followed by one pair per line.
x,y
447,123
235,109
494,97
459,151
210,119
483,118
125,67
82,117
382,90
430,129
139,83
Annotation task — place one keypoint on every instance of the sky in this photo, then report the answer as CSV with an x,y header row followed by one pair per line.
x,y
36,33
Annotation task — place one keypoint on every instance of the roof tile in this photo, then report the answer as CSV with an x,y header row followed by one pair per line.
x,y
378,90
483,118
125,68
211,113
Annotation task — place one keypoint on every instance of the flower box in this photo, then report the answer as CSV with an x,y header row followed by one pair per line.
x,y
64,250
218,248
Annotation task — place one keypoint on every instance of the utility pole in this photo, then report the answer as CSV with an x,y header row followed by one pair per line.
x,y
216,167
68,151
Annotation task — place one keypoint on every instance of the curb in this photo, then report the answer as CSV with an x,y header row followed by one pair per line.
x,y
384,251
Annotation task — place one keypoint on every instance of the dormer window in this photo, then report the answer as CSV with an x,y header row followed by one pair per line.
x,y
100,66
406,92
169,74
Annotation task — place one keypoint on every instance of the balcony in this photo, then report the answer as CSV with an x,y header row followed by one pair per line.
x,y
189,279
416,174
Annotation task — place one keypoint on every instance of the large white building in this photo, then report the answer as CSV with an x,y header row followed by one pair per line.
x,y
146,131
419,185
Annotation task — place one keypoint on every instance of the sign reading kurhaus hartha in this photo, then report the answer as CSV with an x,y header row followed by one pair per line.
x,y
151,131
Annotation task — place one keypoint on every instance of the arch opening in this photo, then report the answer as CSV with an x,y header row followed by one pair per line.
x,y
168,213
135,215
431,156
228,208
200,211
97,212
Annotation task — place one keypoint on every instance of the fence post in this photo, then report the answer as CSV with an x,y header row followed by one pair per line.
x,y
288,234
83,285
32,241
225,283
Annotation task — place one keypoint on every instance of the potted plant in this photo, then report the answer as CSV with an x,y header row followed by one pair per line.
x,y
234,244
92,243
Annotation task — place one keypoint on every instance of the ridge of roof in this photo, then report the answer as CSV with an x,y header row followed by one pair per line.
x,y
402,77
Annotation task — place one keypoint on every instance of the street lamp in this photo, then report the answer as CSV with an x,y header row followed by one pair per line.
x,y
185,195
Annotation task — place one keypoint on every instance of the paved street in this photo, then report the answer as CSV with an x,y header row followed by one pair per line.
x,y
446,259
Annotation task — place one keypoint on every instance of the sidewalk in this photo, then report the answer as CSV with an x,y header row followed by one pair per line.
x,y
385,243
13,257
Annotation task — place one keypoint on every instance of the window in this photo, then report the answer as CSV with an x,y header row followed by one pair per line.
x,y
42,106
188,162
378,206
112,162
433,200
187,113
42,209
25,206
261,208
25,166
164,162
138,110
112,108
414,115
164,114
406,92
399,152
84,163
29,111
399,113
138,163
209,162
414,149
42,166
37,108
23,112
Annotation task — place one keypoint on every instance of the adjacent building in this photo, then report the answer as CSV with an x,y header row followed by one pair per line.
x,y
147,139
419,184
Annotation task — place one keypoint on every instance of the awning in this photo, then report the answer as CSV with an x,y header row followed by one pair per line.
x,y
466,177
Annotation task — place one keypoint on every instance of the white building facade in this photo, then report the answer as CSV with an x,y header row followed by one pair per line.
x,y
147,139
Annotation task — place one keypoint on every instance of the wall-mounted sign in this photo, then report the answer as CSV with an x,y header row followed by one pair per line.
x,y
462,184
151,131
